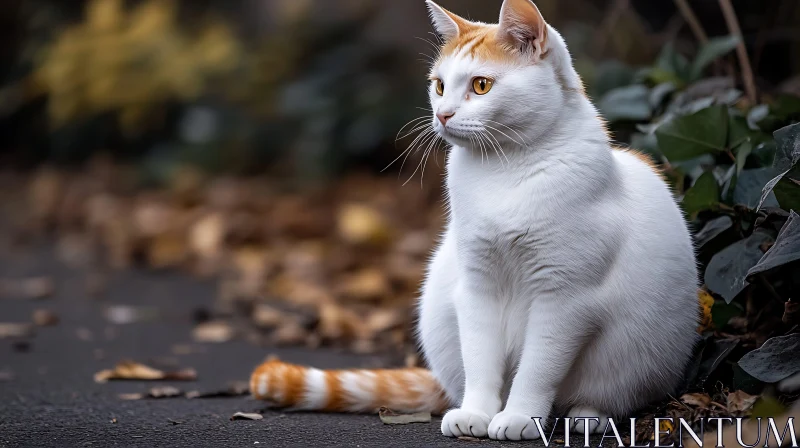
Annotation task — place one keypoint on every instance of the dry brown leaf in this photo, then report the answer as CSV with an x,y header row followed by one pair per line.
x,y
32,288
207,235
167,251
213,331
361,224
366,284
382,320
740,402
164,392
390,417
131,397
290,333
337,322
706,302
246,416
130,370
16,330
697,399
45,318
265,316
124,314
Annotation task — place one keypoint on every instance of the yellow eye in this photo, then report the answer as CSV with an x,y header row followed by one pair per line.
x,y
482,86
439,87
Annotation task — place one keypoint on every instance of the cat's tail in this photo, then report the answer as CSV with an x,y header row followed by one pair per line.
x,y
357,390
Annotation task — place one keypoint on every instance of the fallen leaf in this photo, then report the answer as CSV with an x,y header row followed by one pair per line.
x,y
214,332
123,314
366,284
246,416
164,392
361,224
33,288
206,236
698,399
706,304
265,316
130,370
45,318
290,333
16,330
131,397
469,439
390,417
740,402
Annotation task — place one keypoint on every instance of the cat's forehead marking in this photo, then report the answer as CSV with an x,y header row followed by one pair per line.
x,y
479,42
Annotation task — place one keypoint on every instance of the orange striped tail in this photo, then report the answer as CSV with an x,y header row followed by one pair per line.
x,y
357,390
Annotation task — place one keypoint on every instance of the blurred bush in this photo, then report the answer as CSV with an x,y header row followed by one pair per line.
x,y
298,87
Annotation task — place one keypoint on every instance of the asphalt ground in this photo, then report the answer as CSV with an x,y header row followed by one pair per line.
x,y
49,397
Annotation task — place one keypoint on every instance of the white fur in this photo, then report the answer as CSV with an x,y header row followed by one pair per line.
x,y
566,276
316,390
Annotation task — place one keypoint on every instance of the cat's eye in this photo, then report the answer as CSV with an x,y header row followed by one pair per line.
x,y
439,86
482,85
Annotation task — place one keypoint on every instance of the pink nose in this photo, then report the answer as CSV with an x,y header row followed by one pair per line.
x,y
444,118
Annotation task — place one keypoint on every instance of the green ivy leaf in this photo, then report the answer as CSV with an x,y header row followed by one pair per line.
x,y
726,273
711,51
629,103
703,195
689,136
787,190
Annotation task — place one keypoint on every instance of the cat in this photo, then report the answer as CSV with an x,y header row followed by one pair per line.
x,y
565,281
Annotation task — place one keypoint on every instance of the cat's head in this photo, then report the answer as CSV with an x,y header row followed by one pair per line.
x,y
503,82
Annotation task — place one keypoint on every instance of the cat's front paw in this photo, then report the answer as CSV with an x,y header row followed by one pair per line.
x,y
513,426
461,422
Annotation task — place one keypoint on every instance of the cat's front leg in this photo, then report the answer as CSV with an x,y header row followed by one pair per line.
x,y
555,334
482,352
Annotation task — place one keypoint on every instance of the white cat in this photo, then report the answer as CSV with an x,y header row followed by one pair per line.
x,y
566,278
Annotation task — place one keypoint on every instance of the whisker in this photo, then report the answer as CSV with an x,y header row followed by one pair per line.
x,y
410,123
496,145
510,129
416,145
406,153
503,133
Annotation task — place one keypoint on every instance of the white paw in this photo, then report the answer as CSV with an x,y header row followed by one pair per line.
x,y
460,422
595,426
513,426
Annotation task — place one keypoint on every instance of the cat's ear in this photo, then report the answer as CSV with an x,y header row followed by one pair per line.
x,y
446,23
523,26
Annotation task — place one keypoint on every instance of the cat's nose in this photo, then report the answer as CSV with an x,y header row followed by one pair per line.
x,y
444,117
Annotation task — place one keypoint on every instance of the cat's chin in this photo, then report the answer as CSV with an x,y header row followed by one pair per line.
x,y
455,138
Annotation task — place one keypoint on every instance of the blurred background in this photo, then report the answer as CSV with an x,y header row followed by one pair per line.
x,y
249,143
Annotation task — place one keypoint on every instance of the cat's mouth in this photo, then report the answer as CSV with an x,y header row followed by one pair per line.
x,y
455,136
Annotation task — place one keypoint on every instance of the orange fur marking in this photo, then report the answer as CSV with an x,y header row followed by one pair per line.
x,y
336,400
644,158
